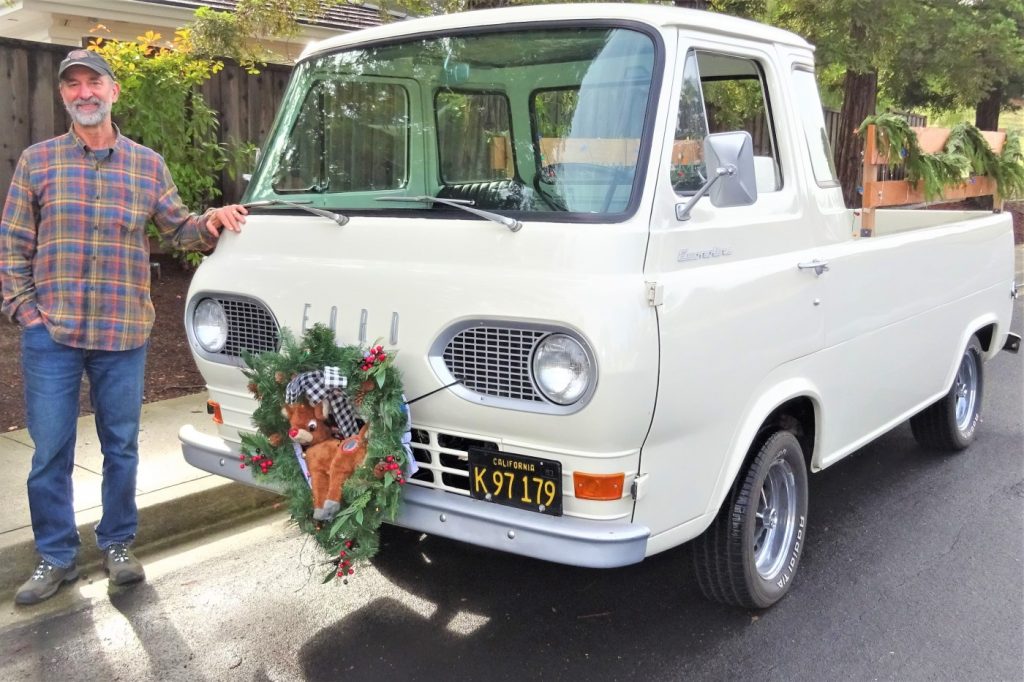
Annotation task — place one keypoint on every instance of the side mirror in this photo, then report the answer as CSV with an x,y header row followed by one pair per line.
x,y
729,158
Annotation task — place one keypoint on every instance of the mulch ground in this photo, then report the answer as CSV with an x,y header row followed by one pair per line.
x,y
170,370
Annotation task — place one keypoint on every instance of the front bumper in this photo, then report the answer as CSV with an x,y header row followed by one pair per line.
x,y
561,539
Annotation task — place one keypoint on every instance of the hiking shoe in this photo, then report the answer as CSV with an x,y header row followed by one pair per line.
x,y
44,582
121,565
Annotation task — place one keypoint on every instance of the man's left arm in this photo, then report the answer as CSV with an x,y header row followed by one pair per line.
x,y
187,230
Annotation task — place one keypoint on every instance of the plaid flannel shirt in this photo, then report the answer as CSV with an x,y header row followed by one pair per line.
x,y
73,245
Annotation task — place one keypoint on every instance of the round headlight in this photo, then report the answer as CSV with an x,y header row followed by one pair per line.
x,y
561,368
210,324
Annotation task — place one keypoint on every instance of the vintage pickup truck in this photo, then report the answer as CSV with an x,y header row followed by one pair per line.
x,y
616,237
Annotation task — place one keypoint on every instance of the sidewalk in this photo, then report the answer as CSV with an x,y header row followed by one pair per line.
x,y
175,499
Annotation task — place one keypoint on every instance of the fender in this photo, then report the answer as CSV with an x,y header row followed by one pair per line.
x,y
768,401
970,329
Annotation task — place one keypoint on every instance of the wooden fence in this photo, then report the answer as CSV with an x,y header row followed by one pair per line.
x,y
247,105
31,110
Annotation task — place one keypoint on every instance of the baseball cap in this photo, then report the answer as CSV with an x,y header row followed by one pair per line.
x,y
88,59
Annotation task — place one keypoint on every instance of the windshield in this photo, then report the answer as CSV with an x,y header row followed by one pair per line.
x,y
540,121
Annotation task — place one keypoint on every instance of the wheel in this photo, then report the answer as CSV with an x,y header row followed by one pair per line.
x,y
951,423
750,553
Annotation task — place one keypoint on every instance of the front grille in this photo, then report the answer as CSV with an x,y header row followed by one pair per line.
x,y
251,327
494,361
443,459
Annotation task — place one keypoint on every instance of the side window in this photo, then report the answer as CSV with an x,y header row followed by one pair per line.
x,y
805,94
474,136
691,127
722,93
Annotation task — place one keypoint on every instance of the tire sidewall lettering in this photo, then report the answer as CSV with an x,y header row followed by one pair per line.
x,y
794,555
968,433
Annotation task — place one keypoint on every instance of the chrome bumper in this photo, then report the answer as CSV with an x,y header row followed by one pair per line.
x,y
561,539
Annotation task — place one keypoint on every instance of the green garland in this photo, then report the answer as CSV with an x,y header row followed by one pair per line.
x,y
373,493
966,152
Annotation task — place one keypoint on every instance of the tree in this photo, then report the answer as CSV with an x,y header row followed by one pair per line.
x,y
961,55
240,34
853,39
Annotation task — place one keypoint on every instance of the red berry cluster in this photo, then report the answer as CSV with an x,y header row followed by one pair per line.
x,y
258,460
391,465
344,563
374,357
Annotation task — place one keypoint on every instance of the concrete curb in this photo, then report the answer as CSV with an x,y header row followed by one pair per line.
x,y
171,516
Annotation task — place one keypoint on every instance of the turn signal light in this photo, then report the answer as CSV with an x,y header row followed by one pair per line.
x,y
213,408
598,486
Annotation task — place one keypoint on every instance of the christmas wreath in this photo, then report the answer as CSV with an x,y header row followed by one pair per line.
x,y
372,385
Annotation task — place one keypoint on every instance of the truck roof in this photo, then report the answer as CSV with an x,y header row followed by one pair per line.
x,y
654,15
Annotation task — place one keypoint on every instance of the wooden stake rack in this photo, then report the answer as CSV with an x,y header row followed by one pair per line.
x,y
881,193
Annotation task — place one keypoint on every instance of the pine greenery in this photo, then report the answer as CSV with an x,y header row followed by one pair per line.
x,y
966,153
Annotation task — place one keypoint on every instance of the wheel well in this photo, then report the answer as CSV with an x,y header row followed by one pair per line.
x,y
795,415
985,336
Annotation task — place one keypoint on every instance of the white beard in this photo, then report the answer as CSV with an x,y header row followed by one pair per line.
x,y
88,119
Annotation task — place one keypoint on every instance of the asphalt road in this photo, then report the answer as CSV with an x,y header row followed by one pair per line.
x,y
914,570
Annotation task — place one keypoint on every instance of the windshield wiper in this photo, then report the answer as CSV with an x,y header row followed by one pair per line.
x,y
464,205
336,217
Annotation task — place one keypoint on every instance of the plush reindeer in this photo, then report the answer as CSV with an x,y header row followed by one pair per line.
x,y
330,461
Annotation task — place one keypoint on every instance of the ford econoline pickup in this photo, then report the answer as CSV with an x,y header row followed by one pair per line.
x,y
614,239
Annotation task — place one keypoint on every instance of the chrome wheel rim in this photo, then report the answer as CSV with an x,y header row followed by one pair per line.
x,y
775,519
965,390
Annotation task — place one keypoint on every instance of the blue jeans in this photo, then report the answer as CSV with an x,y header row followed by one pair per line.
x,y
53,379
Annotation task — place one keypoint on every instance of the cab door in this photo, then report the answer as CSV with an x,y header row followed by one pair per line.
x,y
737,313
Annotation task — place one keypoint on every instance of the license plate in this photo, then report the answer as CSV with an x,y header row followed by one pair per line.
x,y
516,481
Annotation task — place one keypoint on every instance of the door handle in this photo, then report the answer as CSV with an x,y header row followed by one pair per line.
x,y
819,266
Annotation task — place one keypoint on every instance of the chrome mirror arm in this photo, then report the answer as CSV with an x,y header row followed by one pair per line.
x,y
683,210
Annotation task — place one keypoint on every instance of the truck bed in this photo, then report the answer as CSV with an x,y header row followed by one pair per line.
x,y
896,220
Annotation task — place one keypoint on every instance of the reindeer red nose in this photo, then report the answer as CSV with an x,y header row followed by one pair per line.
x,y
293,433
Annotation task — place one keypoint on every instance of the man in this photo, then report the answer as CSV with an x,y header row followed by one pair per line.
x,y
74,265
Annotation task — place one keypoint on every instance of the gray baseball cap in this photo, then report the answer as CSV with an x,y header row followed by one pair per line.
x,y
86,58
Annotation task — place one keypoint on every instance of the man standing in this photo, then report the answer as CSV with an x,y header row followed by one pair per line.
x,y
74,265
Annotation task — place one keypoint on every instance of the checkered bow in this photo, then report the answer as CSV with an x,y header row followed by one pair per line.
x,y
326,385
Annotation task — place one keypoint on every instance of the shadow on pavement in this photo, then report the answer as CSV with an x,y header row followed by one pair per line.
x,y
500,616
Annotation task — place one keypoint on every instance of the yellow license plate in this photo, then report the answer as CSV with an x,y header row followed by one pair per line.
x,y
516,481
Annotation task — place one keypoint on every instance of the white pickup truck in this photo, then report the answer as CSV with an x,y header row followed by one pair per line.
x,y
616,236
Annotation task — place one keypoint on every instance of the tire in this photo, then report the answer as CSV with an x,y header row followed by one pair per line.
x,y
951,423
739,559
